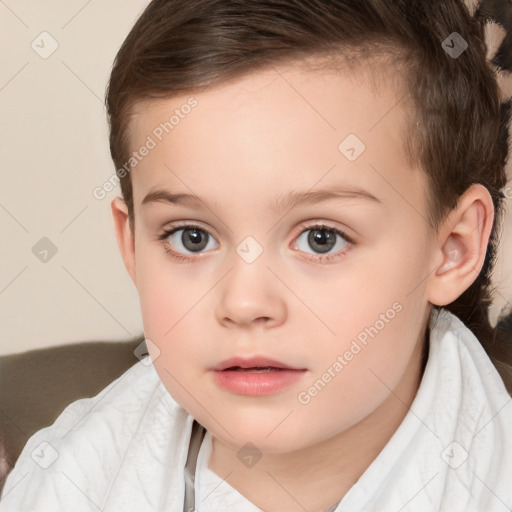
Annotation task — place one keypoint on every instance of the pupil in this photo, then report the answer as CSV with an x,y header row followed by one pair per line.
x,y
325,240
195,241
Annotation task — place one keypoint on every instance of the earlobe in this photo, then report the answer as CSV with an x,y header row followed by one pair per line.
x,y
463,242
124,235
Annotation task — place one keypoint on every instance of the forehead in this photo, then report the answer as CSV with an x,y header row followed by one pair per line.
x,y
291,127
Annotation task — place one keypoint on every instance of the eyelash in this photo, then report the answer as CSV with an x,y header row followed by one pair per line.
x,y
329,258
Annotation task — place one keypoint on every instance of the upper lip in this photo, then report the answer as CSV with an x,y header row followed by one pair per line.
x,y
252,362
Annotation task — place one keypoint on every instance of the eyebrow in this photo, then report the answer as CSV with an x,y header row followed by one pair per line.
x,y
278,205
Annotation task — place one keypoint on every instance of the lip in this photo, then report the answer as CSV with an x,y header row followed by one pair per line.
x,y
253,362
246,381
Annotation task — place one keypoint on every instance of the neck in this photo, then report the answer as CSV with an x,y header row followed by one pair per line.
x,y
318,476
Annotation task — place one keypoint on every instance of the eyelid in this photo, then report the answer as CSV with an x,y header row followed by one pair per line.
x,y
311,224
320,224
166,232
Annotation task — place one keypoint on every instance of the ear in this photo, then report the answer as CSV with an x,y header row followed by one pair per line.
x,y
462,245
124,235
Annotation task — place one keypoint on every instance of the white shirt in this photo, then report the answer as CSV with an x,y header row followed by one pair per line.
x,y
125,449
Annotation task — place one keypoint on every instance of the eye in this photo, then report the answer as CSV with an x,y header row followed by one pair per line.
x,y
186,238
195,239
323,239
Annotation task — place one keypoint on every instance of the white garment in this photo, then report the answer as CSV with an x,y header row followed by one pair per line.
x,y
125,449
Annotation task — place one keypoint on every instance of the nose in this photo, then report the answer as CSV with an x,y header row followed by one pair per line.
x,y
251,296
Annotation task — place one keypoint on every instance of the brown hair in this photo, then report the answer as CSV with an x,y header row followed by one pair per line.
x,y
460,134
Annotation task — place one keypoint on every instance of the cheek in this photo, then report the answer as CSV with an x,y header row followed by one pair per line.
x,y
372,312
165,292
167,306
161,299
357,371
370,281
167,302
176,316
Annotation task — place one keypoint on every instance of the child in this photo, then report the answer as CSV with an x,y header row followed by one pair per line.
x,y
311,201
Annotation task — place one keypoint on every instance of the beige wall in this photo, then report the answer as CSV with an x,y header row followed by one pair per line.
x,y
54,152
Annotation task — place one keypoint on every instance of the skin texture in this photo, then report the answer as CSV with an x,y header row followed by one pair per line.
x,y
247,142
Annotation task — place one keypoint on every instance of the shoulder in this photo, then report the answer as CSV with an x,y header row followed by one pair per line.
x,y
455,336
75,459
465,368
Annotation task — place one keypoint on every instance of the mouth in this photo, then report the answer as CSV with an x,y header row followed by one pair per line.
x,y
255,375
255,364
266,369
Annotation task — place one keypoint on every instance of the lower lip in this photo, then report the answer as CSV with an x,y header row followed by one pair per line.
x,y
252,383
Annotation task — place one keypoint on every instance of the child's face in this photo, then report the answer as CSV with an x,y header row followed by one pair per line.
x,y
244,145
